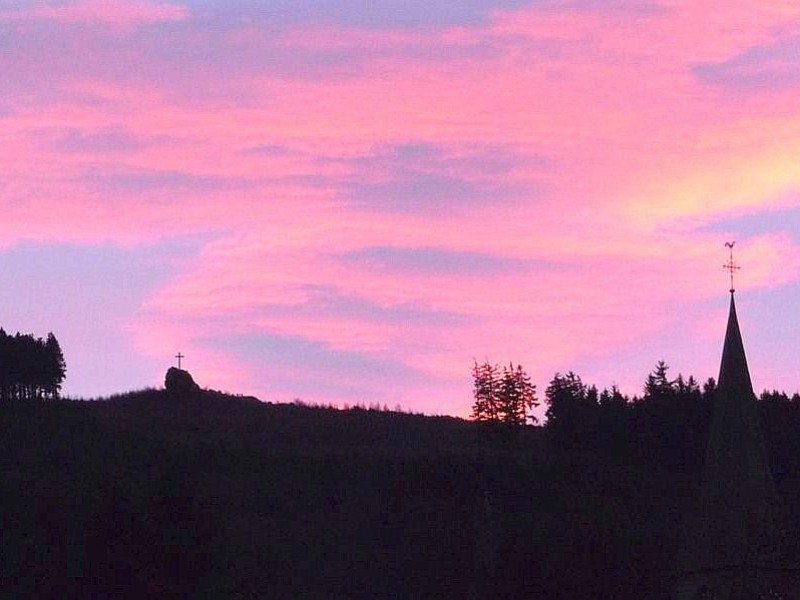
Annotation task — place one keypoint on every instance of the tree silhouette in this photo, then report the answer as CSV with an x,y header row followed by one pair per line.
x,y
571,409
517,396
657,383
502,397
30,368
612,399
486,388
55,366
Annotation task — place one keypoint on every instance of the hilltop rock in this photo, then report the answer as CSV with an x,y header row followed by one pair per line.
x,y
179,381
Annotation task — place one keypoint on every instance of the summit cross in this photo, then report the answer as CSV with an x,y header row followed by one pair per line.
x,y
179,356
731,267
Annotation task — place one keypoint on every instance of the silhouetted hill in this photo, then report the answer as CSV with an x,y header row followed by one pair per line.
x,y
149,494
207,494
209,416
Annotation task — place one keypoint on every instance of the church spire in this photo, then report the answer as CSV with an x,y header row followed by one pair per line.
x,y
735,534
734,376
739,496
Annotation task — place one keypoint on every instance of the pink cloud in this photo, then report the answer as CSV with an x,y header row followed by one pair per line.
x,y
552,317
621,158
125,13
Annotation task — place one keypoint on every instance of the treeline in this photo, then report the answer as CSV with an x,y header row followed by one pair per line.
x,y
666,426
30,368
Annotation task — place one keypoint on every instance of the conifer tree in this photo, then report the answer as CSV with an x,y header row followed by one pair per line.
x,y
658,384
55,366
502,397
486,385
566,398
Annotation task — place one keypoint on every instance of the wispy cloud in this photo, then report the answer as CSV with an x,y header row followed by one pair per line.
x,y
112,12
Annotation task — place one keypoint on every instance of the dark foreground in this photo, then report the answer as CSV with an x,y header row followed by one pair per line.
x,y
148,495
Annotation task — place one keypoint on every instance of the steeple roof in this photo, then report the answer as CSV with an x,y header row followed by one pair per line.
x,y
734,376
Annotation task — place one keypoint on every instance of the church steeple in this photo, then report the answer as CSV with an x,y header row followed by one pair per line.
x,y
738,497
733,543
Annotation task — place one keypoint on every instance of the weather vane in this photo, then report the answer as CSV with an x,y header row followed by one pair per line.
x,y
731,267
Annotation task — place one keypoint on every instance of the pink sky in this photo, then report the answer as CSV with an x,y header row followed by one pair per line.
x,y
344,203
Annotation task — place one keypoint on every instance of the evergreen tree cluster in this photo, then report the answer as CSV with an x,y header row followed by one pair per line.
x,y
664,427
669,419
502,395
667,423
30,368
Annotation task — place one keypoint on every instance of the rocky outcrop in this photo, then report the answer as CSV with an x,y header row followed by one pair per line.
x,y
179,381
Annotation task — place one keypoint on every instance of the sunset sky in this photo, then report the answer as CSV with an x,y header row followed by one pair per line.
x,y
346,201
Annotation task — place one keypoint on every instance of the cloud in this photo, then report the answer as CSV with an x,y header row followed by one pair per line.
x,y
389,13
399,191
431,261
760,69
309,369
430,179
126,13
101,142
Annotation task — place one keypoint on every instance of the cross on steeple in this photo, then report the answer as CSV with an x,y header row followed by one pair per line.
x,y
179,356
731,267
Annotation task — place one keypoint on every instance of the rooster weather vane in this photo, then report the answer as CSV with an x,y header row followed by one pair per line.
x,y
731,267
